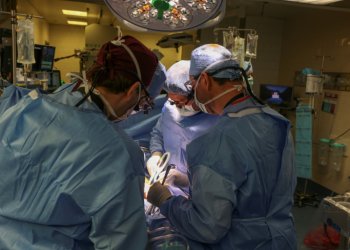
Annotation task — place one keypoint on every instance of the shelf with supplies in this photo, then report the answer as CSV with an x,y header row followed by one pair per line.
x,y
331,80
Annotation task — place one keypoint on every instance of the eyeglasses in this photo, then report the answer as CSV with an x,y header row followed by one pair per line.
x,y
145,103
189,87
179,103
173,102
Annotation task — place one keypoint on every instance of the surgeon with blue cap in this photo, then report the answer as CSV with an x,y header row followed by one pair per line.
x,y
241,171
178,125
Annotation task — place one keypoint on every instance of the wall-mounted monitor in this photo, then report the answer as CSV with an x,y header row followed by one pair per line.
x,y
44,57
55,79
279,95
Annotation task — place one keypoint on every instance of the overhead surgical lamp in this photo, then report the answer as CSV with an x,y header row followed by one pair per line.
x,y
320,2
167,15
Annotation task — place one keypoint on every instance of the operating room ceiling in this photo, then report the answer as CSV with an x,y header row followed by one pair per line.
x,y
51,10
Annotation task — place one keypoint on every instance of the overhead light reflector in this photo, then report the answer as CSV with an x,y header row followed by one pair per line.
x,y
320,2
81,23
74,13
167,15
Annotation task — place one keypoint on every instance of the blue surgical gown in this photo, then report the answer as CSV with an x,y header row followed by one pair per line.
x,y
11,96
69,179
242,182
173,132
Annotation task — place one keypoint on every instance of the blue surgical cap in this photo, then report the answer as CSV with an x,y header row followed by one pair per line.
x,y
217,57
157,81
177,78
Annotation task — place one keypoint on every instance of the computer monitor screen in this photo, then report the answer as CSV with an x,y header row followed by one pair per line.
x,y
37,55
44,57
47,57
55,79
276,94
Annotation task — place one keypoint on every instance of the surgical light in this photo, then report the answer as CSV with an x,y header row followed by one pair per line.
x,y
74,13
320,2
167,15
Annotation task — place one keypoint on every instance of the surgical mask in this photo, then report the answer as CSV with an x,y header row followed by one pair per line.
x,y
124,116
201,105
187,110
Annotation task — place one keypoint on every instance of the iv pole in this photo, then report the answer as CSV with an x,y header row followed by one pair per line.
x,y
14,15
233,29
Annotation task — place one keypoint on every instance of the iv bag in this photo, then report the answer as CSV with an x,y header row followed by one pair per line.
x,y
252,45
238,50
228,40
25,41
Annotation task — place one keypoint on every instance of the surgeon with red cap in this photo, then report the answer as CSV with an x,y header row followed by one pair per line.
x,y
139,125
69,179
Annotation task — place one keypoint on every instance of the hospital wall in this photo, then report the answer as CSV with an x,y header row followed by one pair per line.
x,y
5,22
306,39
150,40
331,126
267,64
300,40
311,35
41,26
66,39
327,125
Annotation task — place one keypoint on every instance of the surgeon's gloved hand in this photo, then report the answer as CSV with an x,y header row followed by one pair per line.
x,y
175,178
158,194
152,163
